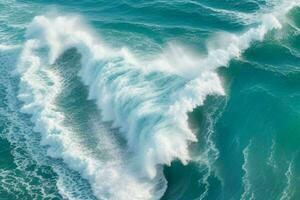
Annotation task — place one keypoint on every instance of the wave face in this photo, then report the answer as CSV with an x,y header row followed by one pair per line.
x,y
140,111
126,94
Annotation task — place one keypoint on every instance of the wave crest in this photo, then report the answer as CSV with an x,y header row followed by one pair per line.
x,y
148,101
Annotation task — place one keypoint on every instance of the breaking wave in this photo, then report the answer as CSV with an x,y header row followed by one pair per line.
x,y
147,100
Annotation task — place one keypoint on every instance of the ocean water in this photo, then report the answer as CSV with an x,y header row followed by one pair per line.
x,y
148,100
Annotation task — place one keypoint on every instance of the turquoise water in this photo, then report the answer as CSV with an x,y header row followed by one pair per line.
x,y
172,100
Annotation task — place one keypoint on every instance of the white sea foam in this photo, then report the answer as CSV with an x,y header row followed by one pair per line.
x,y
248,193
4,47
271,161
151,116
287,193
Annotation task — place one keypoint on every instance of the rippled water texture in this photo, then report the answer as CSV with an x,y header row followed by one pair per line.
x,y
142,100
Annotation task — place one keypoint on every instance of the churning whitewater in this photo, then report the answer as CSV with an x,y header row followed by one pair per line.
x,y
144,102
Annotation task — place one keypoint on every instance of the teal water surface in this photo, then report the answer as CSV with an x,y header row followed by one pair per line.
x,y
172,100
